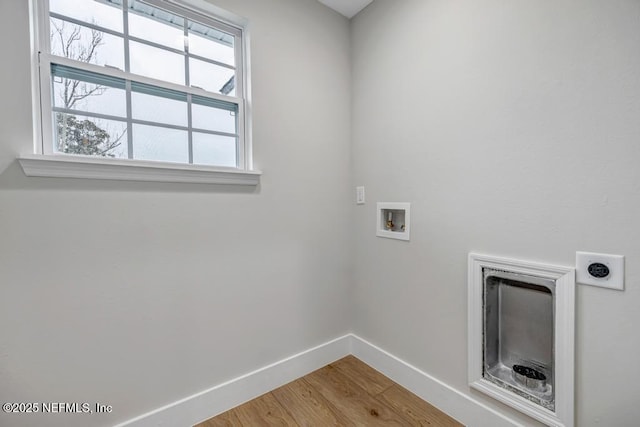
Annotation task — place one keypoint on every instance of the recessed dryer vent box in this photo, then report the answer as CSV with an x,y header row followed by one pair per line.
x,y
521,336
393,220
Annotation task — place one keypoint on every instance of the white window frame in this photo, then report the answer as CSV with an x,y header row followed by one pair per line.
x,y
45,162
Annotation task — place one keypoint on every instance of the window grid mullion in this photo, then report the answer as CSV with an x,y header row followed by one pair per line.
x,y
127,68
187,81
141,122
125,22
190,125
129,120
89,25
212,61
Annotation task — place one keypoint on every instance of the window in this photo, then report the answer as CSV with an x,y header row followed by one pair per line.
x,y
141,80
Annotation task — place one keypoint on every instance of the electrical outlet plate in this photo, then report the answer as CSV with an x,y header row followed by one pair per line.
x,y
615,264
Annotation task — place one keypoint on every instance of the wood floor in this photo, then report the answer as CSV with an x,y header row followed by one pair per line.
x,y
344,393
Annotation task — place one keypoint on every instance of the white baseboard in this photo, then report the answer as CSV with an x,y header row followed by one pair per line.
x,y
208,403
456,404
216,400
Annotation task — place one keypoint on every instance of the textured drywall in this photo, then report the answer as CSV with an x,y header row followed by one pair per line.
x,y
513,128
136,295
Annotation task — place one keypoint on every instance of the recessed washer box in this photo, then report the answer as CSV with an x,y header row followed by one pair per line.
x,y
393,220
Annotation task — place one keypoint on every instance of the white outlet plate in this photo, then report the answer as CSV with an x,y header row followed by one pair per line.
x,y
615,263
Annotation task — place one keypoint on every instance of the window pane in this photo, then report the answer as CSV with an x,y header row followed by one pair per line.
x,y
106,13
158,143
156,25
134,114
212,44
157,109
156,63
86,45
89,136
214,150
212,77
209,118
90,97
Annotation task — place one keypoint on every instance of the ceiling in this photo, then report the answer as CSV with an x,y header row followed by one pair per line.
x,y
348,8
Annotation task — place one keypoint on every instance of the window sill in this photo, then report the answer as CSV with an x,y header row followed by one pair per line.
x,y
62,166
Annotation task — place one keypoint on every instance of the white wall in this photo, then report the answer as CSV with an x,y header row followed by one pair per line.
x,y
139,294
514,129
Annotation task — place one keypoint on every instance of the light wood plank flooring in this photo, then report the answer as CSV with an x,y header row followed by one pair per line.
x,y
344,393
